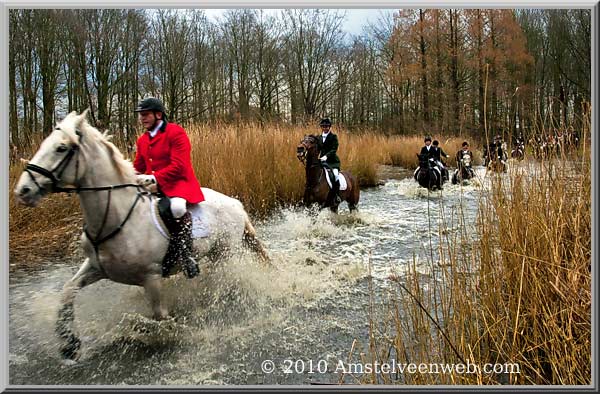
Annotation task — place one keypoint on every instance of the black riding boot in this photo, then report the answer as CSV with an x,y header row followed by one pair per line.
x,y
181,247
336,192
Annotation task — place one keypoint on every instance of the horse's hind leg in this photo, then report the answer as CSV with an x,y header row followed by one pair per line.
x,y
86,275
252,242
354,197
152,286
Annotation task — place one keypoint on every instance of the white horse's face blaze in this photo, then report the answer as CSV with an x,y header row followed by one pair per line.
x,y
52,151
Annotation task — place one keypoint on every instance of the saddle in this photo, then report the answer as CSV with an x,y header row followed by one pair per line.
x,y
163,218
330,177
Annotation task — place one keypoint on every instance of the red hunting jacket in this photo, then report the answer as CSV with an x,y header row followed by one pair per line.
x,y
167,156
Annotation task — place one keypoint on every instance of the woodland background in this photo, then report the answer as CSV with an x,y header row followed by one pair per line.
x,y
435,71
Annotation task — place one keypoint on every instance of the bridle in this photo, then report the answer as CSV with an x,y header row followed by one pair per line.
x,y
301,152
55,176
60,167
301,155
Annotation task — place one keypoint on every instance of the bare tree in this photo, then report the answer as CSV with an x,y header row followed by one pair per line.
x,y
310,39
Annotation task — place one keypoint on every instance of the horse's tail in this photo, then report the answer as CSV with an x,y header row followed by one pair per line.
x,y
253,243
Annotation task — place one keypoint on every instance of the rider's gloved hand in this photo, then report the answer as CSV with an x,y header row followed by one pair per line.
x,y
324,158
145,180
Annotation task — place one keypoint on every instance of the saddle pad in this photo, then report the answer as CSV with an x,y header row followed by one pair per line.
x,y
343,183
158,222
434,168
200,228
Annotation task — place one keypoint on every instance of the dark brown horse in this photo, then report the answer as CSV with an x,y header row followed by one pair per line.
x,y
316,189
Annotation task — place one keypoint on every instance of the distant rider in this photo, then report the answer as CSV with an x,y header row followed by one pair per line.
x,y
438,152
461,153
329,146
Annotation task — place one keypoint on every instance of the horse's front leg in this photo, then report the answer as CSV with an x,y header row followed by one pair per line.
x,y
153,285
86,275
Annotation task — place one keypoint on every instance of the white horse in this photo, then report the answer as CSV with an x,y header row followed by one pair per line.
x,y
121,240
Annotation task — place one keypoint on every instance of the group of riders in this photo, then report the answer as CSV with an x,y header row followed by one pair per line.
x,y
495,155
163,162
430,158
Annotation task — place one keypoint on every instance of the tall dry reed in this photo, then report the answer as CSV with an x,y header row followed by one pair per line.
x,y
515,292
255,163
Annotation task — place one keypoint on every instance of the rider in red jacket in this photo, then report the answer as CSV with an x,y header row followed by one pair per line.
x,y
163,158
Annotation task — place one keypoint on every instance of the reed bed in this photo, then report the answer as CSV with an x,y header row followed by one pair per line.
x,y
254,163
516,292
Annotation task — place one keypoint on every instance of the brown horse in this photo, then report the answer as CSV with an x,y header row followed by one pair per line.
x,y
316,189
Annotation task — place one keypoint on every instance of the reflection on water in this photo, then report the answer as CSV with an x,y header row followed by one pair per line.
x,y
310,306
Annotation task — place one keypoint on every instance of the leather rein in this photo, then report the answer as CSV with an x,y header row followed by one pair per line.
x,y
56,179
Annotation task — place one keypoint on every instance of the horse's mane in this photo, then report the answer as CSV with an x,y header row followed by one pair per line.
x,y
123,166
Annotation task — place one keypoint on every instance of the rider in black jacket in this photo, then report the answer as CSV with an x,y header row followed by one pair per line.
x,y
438,152
329,145
427,149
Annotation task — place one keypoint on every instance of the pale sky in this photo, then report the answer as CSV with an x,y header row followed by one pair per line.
x,y
356,18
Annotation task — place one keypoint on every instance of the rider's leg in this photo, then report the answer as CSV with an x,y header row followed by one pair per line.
x,y
443,169
336,186
182,237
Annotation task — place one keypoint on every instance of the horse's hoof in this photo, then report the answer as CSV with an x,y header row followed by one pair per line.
x,y
191,269
68,362
164,315
69,351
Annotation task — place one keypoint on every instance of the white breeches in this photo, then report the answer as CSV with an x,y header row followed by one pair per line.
x,y
178,207
336,173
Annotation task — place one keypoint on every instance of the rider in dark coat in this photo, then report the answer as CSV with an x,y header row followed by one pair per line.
x,y
465,149
427,149
328,144
502,154
438,152
459,155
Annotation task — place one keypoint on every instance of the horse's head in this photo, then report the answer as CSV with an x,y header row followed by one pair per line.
x,y
308,147
466,159
57,162
424,161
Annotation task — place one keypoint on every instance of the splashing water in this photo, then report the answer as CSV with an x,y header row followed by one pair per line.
x,y
311,305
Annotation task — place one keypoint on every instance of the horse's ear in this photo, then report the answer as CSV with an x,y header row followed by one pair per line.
x,y
84,114
82,118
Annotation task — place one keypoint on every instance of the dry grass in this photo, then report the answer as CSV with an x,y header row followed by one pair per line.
x,y
45,232
256,164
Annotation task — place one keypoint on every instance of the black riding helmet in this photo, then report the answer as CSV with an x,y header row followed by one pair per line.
x,y
465,144
151,104
428,138
436,142
325,122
